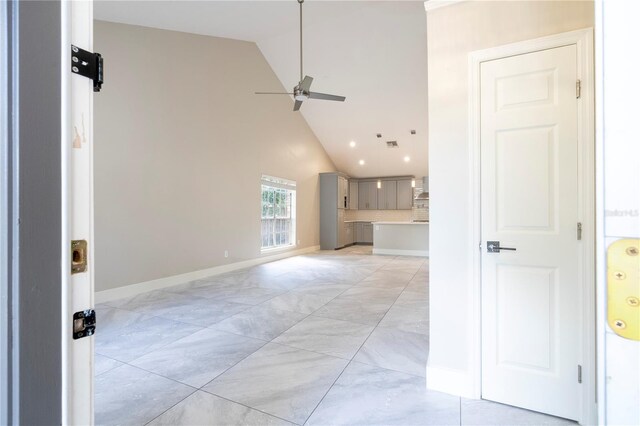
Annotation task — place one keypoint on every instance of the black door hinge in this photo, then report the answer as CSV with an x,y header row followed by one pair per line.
x,y
84,324
88,65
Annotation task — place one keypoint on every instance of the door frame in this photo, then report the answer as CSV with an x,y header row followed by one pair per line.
x,y
77,214
583,39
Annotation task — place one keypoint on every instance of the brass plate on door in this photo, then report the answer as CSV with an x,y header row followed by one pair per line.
x,y
623,288
78,256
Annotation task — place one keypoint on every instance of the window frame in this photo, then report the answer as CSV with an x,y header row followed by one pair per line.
x,y
274,207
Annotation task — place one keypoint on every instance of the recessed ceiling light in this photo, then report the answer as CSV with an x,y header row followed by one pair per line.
x,y
407,158
361,162
352,144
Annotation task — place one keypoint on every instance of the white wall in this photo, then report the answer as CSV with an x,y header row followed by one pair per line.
x,y
454,32
181,143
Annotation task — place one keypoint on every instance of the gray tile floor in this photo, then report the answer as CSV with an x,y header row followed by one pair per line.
x,y
329,338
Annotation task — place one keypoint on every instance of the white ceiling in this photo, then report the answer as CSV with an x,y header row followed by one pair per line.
x,y
372,52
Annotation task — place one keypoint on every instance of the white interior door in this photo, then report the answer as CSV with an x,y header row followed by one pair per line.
x,y
78,218
529,199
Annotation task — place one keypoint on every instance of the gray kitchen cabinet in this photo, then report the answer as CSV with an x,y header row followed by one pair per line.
x,y
333,189
362,233
343,192
404,195
350,237
387,195
367,233
353,195
342,230
367,195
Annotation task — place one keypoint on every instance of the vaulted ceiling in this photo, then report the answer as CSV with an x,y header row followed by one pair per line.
x,y
372,52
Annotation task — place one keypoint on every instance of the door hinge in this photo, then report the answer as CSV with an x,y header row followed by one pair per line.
x,y
578,89
88,65
579,231
579,374
84,324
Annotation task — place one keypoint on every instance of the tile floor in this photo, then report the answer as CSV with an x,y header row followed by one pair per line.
x,y
329,338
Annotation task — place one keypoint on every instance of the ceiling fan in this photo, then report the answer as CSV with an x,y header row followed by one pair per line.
x,y
301,92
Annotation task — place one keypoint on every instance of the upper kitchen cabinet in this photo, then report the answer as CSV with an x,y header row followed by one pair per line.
x,y
387,195
343,192
405,194
367,195
353,195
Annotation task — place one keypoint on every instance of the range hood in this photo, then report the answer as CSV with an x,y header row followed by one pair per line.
x,y
424,195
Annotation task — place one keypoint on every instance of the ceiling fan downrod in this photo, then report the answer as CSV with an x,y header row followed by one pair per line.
x,y
300,3
302,91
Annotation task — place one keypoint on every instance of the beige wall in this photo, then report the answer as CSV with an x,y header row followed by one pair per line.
x,y
453,32
181,143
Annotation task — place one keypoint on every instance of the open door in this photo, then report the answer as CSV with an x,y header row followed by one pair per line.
x,y
531,323
79,77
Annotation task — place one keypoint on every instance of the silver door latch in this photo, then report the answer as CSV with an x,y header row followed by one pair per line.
x,y
494,247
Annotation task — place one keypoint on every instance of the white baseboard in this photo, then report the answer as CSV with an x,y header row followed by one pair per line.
x,y
396,252
144,287
453,382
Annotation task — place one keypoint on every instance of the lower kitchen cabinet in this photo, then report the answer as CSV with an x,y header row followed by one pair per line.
x,y
350,233
367,233
363,232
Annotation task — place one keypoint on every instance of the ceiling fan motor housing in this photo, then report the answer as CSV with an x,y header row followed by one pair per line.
x,y
299,94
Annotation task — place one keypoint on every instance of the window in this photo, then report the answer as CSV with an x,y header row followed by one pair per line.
x,y
278,212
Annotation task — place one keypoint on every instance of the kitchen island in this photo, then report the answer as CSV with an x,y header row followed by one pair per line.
x,y
401,238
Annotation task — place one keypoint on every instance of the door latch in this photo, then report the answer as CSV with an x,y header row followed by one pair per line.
x,y
494,247
78,256
88,65
84,324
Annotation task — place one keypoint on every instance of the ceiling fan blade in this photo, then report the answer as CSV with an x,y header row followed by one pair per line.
x,y
305,84
325,97
273,93
297,105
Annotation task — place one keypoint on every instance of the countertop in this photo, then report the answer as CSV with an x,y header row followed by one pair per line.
x,y
354,221
400,223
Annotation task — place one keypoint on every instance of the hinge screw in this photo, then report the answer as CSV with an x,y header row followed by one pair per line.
x,y
632,251
74,59
74,69
75,49
620,275
619,324
633,301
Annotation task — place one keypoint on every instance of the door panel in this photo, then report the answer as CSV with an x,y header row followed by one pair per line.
x,y
529,190
526,187
538,287
353,195
363,195
405,195
387,195
373,195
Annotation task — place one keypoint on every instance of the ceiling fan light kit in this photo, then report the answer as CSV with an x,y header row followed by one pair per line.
x,y
301,92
